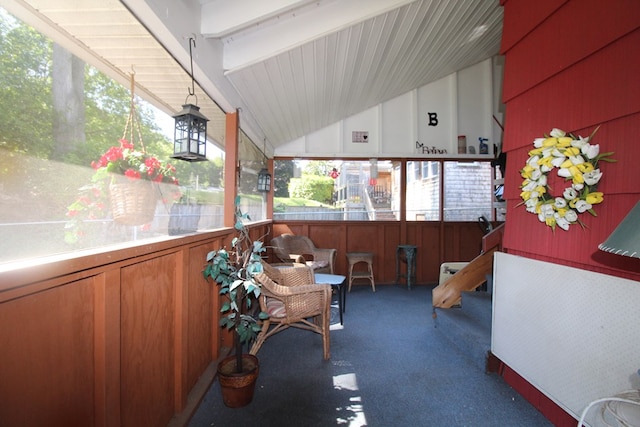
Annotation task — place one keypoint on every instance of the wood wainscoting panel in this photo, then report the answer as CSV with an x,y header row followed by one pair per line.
x,y
462,242
437,243
202,316
147,341
363,237
426,235
47,354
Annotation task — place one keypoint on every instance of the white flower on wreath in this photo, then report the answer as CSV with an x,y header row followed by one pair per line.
x,y
577,161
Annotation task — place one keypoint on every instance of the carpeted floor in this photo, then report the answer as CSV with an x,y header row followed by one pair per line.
x,y
388,367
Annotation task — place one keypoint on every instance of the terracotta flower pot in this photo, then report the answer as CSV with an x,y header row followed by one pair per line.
x,y
238,388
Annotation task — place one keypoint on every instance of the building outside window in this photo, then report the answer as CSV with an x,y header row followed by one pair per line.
x,y
347,190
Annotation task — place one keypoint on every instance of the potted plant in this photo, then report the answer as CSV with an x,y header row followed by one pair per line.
x,y
234,272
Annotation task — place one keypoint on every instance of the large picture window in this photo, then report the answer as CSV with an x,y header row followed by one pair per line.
x,y
337,190
60,116
468,191
369,190
423,190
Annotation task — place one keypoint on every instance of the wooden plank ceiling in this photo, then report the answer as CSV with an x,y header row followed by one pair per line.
x,y
291,66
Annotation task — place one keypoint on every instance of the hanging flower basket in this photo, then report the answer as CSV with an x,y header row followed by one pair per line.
x,y
133,202
127,179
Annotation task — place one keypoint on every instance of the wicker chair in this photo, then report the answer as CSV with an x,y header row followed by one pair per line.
x,y
294,302
293,248
283,273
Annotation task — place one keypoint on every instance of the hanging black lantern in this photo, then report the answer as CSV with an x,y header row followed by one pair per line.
x,y
264,180
264,177
190,137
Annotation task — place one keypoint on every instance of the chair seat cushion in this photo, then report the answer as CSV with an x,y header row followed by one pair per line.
x,y
275,308
317,264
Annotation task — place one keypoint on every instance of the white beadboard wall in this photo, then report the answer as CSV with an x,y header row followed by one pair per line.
x,y
573,334
465,103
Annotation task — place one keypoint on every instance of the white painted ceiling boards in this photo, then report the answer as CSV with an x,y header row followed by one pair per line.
x,y
292,67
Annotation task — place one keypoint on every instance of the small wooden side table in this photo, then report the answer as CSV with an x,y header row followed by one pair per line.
x,y
356,257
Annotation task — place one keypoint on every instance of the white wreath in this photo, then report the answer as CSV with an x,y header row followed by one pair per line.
x,y
577,161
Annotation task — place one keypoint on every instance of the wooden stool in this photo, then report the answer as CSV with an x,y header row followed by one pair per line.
x,y
356,257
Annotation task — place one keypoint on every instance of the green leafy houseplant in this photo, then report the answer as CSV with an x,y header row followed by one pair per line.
x,y
234,272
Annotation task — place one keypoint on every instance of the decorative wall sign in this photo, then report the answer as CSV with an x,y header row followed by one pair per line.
x,y
360,136
422,149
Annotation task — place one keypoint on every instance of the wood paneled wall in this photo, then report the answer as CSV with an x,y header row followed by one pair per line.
x,y
118,338
130,337
436,242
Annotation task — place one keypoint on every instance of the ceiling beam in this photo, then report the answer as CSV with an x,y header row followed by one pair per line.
x,y
221,18
293,27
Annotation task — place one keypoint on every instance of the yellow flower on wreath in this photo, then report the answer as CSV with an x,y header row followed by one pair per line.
x,y
577,161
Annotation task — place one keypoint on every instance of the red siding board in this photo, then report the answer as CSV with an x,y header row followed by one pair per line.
x,y
523,16
577,29
538,400
525,235
593,91
620,177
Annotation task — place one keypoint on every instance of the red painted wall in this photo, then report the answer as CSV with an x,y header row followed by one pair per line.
x,y
574,65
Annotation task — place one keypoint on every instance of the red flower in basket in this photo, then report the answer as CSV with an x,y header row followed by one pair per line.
x,y
121,160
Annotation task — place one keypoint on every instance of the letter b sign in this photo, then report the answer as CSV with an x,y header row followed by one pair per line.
x,y
433,119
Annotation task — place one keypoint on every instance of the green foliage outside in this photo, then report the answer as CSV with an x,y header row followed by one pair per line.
x,y
280,204
319,167
283,172
27,124
26,64
312,187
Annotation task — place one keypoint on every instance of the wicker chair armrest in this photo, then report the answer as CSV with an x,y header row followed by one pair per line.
x,y
307,289
300,301
283,254
328,255
289,274
323,254
307,300
275,290
298,275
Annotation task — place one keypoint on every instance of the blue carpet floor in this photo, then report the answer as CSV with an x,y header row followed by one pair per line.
x,y
389,366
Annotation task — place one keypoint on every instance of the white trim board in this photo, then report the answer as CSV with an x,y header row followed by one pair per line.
x,y
573,334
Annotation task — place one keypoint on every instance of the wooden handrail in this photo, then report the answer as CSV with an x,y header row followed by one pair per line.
x,y
448,294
